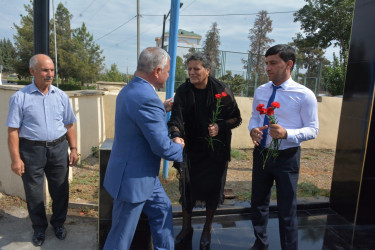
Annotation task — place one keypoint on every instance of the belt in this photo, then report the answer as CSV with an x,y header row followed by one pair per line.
x,y
43,143
287,151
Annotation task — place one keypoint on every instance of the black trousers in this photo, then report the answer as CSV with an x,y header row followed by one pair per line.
x,y
53,162
284,170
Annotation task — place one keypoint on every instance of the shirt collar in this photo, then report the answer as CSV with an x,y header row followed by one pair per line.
x,y
34,88
285,85
146,81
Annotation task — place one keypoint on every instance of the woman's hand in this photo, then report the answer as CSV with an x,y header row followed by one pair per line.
x,y
213,130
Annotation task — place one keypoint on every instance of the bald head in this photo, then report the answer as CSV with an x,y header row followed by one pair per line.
x,y
42,69
36,59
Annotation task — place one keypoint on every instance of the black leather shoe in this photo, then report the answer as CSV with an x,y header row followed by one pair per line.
x,y
258,248
184,241
38,238
205,243
60,232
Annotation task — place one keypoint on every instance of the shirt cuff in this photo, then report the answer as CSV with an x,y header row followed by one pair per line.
x,y
291,135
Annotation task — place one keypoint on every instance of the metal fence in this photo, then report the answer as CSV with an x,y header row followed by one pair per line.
x,y
238,75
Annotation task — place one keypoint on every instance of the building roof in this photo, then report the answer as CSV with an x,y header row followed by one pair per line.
x,y
182,33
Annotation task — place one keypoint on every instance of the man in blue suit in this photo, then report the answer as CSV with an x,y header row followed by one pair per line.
x,y
140,141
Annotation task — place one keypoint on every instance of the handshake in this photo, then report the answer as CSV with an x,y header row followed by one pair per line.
x,y
179,140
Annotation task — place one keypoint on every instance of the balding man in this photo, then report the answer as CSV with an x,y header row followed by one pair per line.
x,y
40,128
140,141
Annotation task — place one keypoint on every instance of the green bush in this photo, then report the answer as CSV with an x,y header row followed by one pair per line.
x,y
23,82
69,86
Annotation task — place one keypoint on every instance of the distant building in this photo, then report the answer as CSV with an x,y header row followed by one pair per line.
x,y
185,41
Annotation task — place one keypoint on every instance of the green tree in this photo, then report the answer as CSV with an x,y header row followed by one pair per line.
x,y
236,83
334,76
24,41
7,55
113,74
66,56
180,76
211,48
89,56
191,51
259,42
326,23
309,58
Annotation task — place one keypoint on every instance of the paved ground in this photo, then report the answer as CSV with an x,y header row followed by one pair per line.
x,y
16,232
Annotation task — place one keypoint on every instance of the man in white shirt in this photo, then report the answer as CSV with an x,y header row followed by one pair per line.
x,y
297,121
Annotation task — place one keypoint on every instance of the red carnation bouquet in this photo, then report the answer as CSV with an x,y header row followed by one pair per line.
x,y
273,148
215,117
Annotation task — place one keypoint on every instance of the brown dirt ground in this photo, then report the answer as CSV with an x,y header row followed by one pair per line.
x,y
315,179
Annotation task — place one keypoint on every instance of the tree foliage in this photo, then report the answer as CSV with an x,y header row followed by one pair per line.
x,y
66,57
180,75
7,55
113,74
79,57
259,41
90,61
24,41
326,23
334,76
236,82
310,58
211,47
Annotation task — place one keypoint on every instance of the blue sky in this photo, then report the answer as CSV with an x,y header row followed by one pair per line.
x,y
120,47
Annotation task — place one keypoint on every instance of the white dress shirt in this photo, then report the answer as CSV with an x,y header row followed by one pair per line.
x,y
298,112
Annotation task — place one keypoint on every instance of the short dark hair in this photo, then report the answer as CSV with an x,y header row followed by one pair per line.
x,y
286,52
199,56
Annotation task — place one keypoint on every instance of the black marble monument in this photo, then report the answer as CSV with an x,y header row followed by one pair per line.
x,y
142,236
353,181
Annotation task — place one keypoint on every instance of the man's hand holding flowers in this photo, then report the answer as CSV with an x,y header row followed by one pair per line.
x,y
256,134
277,131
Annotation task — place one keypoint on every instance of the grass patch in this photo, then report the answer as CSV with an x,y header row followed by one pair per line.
x,y
304,189
85,184
308,189
171,185
239,154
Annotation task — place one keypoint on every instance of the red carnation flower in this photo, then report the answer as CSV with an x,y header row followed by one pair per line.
x,y
275,105
260,107
262,111
270,111
218,96
224,94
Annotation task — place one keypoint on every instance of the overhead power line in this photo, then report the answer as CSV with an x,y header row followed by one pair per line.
x,y
80,14
233,14
115,28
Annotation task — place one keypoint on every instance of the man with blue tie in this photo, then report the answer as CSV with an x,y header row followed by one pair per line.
x,y
297,122
140,141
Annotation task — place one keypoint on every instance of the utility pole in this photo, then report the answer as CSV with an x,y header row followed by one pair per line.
x,y
138,31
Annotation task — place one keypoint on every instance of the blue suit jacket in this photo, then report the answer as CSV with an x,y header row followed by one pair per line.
x,y
140,141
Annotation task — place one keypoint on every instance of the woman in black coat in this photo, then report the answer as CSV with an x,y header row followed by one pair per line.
x,y
207,143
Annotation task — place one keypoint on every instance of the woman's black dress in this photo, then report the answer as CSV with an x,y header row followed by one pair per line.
x,y
202,175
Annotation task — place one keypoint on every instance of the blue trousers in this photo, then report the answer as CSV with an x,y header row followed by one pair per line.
x,y
125,218
284,170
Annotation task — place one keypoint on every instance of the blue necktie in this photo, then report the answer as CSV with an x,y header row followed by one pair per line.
x,y
266,122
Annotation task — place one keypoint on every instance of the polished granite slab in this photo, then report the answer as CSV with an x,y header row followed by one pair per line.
x,y
318,229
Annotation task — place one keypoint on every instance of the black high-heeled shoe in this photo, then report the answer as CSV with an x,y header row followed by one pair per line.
x,y
205,243
184,241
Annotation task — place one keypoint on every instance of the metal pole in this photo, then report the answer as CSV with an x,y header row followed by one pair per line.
x,y
138,31
172,50
162,35
54,34
164,20
41,27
